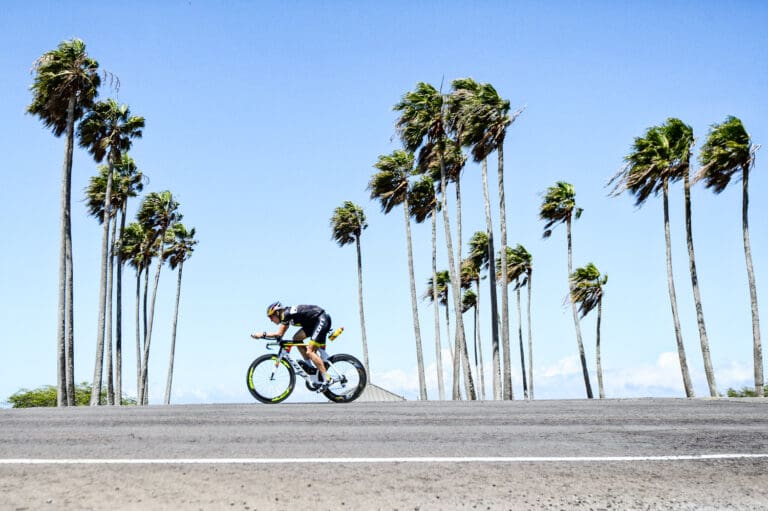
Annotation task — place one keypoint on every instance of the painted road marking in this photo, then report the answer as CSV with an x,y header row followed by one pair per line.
x,y
431,459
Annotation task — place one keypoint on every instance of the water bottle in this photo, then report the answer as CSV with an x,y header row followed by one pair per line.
x,y
336,333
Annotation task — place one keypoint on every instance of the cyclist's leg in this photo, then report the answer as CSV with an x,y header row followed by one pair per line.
x,y
299,336
317,341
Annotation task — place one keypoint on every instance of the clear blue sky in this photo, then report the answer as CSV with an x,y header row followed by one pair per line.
x,y
262,117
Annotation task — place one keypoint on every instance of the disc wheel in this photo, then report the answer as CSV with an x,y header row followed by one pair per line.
x,y
270,381
349,378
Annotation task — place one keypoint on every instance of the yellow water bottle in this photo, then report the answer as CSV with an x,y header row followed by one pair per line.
x,y
336,333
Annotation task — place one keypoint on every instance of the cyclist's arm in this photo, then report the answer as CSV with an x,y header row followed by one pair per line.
x,y
279,333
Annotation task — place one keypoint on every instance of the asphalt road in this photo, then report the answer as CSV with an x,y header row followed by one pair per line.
x,y
612,454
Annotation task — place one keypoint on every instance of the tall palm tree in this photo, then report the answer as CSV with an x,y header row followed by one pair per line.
x,y
464,113
422,125
433,157
727,150
95,200
181,244
128,183
107,130
158,213
136,247
559,206
423,204
390,187
680,136
587,291
348,223
65,85
520,270
483,117
652,164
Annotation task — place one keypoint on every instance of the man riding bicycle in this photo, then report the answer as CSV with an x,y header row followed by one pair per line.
x,y
313,322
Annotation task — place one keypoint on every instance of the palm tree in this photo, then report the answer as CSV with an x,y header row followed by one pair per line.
x,y
390,187
95,197
655,160
422,125
136,247
432,158
128,183
181,245
481,118
520,271
478,253
423,204
470,274
158,214
65,85
587,291
727,150
347,224
107,130
463,109
437,294
681,137
559,206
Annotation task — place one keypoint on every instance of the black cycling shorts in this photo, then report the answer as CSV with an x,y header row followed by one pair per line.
x,y
320,330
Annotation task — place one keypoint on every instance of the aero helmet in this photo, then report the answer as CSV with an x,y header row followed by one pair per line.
x,y
273,308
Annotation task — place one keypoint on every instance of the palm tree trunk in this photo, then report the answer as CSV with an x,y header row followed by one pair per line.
x,y
99,365
414,306
66,233
169,381
469,381
70,356
597,350
479,345
696,294
576,322
110,272
507,380
138,333
673,297
360,302
530,340
151,318
456,388
455,282
757,346
119,313
494,301
436,305
460,344
520,336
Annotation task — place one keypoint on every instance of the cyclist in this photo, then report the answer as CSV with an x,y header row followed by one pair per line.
x,y
313,322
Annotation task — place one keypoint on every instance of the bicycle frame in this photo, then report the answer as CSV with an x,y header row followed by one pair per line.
x,y
284,354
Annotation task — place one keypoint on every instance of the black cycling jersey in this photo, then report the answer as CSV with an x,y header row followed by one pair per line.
x,y
312,319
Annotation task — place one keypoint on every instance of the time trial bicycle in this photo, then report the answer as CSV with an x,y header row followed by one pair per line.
x,y
271,378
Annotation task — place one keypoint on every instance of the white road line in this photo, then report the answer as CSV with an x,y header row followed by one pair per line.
x,y
432,459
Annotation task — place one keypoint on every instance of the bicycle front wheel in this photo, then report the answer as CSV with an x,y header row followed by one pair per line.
x,y
270,381
349,378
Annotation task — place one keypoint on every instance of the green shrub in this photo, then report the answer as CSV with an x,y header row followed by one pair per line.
x,y
45,396
744,392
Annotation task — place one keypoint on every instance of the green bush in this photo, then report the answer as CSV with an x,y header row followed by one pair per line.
x,y
45,396
745,391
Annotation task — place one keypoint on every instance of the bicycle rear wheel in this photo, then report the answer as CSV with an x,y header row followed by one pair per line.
x,y
349,378
270,381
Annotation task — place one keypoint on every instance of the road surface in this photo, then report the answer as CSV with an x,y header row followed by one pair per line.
x,y
611,454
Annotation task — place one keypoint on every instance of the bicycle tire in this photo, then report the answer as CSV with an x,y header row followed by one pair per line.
x,y
269,382
353,375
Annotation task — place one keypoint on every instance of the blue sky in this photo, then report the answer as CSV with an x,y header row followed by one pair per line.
x,y
262,117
